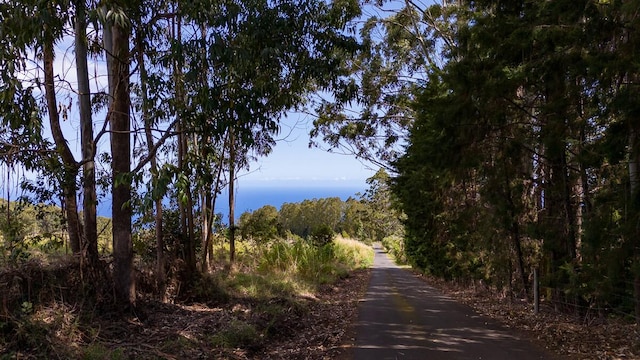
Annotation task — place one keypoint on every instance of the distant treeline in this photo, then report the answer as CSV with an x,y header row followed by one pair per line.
x,y
24,225
369,218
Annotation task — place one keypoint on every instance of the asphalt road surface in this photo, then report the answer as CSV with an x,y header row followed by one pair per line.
x,y
401,317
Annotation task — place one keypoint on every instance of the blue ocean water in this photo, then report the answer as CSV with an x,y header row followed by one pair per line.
x,y
252,198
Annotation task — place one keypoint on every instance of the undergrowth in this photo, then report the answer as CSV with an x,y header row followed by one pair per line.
x,y
307,265
395,247
51,310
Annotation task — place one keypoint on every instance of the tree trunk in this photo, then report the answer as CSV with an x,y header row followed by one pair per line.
x,y
119,119
210,200
232,202
70,166
570,215
205,209
192,262
146,116
515,229
86,129
634,166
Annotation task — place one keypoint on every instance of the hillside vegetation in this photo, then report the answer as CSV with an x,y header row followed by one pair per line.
x,y
269,296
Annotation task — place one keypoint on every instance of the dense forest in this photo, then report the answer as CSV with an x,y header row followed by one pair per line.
x,y
505,131
509,128
524,153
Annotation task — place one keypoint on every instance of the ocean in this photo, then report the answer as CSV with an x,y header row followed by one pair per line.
x,y
250,198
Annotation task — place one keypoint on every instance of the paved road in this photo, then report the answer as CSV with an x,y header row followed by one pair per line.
x,y
403,318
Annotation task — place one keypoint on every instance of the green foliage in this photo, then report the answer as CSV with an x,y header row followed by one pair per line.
x,y
305,217
370,218
236,334
14,247
316,264
370,119
261,225
322,236
38,229
517,155
395,246
97,351
262,286
381,216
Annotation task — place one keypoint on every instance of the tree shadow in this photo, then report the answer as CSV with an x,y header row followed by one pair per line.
x,y
403,318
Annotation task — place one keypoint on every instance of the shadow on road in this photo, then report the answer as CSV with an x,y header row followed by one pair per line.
x,y
403,318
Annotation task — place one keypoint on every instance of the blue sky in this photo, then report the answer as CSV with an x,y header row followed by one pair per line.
x,y
293,163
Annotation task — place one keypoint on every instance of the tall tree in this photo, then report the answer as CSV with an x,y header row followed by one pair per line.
x,y
403,42
120,124
89,204
520,134
70,165
261,59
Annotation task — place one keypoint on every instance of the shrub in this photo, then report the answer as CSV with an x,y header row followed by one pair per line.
x,y
322,235
354,254
395,246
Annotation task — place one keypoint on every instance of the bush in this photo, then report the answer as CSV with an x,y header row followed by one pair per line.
x,y
322,235
354,254
395,246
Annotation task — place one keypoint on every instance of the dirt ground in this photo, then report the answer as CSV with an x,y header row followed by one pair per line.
x,y
319,326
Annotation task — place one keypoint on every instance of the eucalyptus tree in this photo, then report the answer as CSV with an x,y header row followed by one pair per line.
x,y
354,219
381,215
148,58
89,196
403,42
20,113
261,59
30,30
116,33
260,225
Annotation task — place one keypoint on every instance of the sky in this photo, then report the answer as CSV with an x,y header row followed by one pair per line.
x,y
293,163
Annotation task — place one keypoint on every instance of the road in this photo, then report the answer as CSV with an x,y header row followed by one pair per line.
x,y
401,317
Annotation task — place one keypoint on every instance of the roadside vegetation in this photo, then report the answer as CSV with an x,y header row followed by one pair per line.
x,y
509,129
240,309
293,283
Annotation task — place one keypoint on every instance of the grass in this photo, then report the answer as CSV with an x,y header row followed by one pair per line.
x,y
270,284
283,269
100,352
261,285
354,253
236,334
308,266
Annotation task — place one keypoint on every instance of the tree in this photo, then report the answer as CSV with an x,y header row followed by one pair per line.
x,y
260,60
381,217
260,225
399,52
89,204
120,124
353,220
210,95
34,30
518,145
